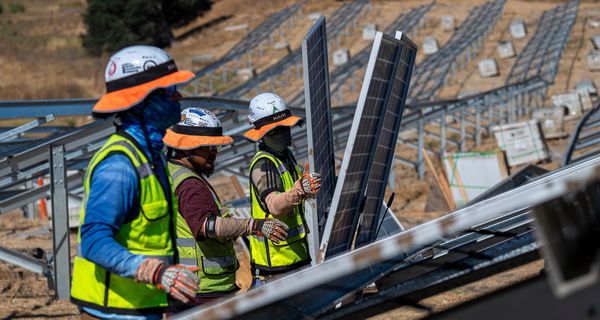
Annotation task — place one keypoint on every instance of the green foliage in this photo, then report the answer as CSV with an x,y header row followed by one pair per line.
x,y
16,8
114,24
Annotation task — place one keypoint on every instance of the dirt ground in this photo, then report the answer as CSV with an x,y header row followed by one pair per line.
x,y
41,48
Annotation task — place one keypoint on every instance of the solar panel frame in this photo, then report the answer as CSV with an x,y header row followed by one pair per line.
x,y
366,127
319,129
386,145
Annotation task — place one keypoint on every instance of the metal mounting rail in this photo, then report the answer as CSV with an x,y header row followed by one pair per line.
x,y
585,140
26,127
23,261
83,107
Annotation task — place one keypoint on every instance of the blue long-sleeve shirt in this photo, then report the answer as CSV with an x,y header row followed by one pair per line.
x,y
113,200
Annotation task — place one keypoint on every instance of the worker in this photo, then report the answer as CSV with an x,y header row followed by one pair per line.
x,y
124,268
278,188
205,231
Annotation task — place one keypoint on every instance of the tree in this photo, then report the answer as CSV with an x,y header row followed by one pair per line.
x,y
114,24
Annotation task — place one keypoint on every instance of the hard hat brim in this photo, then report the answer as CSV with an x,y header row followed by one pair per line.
x,y
121,100
257,134
189,142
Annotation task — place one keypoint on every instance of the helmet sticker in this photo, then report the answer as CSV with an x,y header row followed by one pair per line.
x,y
112,68
198,112
130,68
149,64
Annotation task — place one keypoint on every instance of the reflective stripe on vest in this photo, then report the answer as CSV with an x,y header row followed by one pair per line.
x,y
147,234
293,251
216,259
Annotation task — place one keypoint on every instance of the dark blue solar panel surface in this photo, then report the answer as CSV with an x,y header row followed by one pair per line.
x,y
318,117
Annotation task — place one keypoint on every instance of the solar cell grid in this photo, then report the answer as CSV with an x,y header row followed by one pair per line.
x,y
361,148
319,128
384,151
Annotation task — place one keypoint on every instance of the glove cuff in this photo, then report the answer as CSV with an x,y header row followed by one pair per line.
x,y
159,273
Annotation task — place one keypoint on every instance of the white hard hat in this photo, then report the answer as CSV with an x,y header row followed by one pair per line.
x,y
264,105
198,127
132,60
198,117
268,111
134,72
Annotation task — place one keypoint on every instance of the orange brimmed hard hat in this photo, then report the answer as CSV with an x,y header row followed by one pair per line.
x,y
267,112
133,73
198,128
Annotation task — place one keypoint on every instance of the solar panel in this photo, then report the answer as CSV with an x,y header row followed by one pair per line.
x,y
382,77
319,128
386,145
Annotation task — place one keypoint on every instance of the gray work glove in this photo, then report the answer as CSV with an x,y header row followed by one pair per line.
x,y
271,229
178,280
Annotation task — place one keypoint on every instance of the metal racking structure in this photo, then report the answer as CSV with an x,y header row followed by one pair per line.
x,y
464,45
585,140
407,22
252,44
290,67
541,55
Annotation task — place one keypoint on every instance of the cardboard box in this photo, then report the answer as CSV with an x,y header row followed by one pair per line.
x,y
552,122
341,57
523,142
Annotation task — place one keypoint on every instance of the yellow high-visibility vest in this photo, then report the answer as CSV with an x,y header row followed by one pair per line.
x,y
292,252
149,234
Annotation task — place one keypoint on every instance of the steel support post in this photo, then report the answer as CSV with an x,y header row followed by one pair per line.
x,y
224,74
443,132
30,207
478,125
60,222
421,143
462,130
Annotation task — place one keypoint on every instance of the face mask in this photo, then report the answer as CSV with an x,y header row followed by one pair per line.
x,y
161,112
279,141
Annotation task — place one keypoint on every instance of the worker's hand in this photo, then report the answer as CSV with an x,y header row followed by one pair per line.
x,y
177,280
271,229
311,182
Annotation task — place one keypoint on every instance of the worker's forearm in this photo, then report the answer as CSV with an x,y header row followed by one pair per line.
x,y
231,228
283,203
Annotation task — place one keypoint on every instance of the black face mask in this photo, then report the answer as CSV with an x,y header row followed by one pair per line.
x,y
278,139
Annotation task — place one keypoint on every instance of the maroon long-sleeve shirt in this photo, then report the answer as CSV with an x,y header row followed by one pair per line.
x,y
196,203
